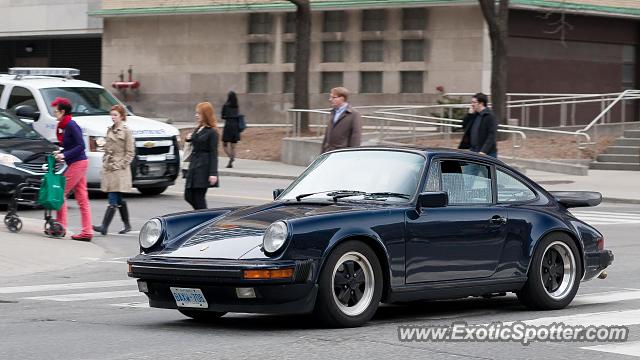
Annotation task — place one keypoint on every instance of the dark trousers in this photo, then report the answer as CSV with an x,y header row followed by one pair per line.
x,y
195,197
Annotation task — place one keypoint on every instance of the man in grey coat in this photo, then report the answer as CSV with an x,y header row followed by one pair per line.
x,y
345,128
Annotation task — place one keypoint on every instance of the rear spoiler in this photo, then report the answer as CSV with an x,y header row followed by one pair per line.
x,y
571,199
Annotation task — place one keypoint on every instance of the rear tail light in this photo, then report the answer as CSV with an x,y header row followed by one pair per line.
x,y
600,243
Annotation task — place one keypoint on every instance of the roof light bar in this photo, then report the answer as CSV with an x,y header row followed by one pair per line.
x,y
43,71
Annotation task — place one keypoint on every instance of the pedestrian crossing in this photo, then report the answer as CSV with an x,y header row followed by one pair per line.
x,y
607,217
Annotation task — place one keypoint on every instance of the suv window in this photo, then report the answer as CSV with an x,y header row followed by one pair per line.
x,y
85,101
511,189
20,96
465,182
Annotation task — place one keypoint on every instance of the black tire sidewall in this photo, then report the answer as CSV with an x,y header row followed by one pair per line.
x,y
326,309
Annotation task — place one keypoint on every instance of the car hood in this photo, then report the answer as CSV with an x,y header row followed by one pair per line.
x,y
241,231
140,127
24,149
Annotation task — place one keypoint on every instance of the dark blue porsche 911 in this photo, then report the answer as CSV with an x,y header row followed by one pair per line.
x,y
369,225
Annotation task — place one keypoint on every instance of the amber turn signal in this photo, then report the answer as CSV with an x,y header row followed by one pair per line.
x,y
268,274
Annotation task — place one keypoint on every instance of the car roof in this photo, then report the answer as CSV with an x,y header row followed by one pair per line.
x,y
430,151
43,82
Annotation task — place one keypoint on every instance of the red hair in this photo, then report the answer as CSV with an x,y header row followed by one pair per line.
x,y
208,114
120,109
61,101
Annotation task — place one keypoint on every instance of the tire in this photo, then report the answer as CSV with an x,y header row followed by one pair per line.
x,y
554,274
152,190
14,224
350,286
202,316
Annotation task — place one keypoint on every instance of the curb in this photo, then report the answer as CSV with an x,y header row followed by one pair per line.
x,y
256,175
620,200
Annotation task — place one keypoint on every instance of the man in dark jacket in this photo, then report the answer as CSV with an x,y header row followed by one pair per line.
x,y
345,125
480,128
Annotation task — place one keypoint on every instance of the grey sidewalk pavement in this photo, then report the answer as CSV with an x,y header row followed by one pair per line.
x,y
30,251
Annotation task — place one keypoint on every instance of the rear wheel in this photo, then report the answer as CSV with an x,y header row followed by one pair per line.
x,y
202,316
350,286
554,274
152,190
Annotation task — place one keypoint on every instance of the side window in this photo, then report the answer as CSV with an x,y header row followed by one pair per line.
x,y
466,183
511,189
20,96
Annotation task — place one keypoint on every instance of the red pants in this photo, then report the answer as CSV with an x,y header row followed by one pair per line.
x,y
76,178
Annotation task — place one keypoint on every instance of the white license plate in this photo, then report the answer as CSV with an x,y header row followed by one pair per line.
x,y
187,297
159,157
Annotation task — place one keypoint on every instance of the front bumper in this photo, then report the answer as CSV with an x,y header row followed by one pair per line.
x,y
219,279
596,262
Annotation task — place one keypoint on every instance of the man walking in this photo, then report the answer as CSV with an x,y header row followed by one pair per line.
x,y
480,128
345,128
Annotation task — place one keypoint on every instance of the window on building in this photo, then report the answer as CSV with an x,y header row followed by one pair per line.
x,y
373,20
413,50
628,67
20,96
288,82
414,19
260,23
411,81
372,51
290,23
334,21
259,53
257,82
289,52
332,51
370,82
330,79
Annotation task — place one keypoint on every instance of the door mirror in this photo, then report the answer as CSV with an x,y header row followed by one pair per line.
x,y
277,193
433,199
27,112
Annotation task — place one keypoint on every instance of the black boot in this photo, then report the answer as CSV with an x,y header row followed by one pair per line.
x,y
124,215
108,216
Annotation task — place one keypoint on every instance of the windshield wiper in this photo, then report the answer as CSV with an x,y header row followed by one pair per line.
x,y
336,194
387,194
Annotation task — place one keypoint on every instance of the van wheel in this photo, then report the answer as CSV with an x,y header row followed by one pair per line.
x,y
152,190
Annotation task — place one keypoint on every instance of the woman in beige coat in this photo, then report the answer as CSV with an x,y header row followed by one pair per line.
x,y
116,171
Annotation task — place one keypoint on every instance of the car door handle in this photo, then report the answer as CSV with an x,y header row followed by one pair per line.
x,y
497,220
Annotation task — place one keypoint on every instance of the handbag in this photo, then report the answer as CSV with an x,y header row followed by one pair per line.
x,y
242,124
51,193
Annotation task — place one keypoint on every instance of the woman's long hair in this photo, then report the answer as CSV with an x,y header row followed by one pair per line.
x,y
207,114
232,99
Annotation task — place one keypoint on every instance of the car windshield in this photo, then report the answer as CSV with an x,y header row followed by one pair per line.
x,y
86,101
12,128
379,175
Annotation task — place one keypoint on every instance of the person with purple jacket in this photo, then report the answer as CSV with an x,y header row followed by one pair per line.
x,y
73,153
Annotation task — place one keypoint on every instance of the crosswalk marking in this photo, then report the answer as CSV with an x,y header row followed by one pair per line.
x,y
88,296
607,217
607,297
133,304
631,348
605,318
68,286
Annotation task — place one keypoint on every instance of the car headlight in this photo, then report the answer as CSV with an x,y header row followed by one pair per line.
x,y
8,159
96,143
275,236
150,233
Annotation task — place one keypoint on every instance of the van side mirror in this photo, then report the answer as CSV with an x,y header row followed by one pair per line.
x,y
433,199
277,193
27,112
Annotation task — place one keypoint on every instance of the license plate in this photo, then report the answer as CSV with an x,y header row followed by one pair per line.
x,y
159,157
155,170
187,297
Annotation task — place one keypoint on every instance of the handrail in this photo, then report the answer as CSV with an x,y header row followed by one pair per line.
x,y
605,110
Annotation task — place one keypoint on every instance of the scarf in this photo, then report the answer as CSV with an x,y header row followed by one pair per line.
x,y
62,124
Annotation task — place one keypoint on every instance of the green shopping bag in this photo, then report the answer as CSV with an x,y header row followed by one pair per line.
x,y
51,194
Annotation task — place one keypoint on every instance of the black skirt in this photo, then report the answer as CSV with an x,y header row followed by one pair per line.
x,y
231,132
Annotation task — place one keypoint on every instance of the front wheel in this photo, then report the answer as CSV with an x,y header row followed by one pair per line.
x,y
152,190
350,286
554,274
203,316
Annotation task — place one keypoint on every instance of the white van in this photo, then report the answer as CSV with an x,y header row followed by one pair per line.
x,y
28,93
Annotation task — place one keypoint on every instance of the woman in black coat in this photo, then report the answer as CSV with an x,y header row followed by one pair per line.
x,y
203,166
231,133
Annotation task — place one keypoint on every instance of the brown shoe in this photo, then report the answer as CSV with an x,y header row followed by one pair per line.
x,y
81,237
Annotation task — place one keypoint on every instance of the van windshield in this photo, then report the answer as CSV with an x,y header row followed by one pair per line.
x,y
85,101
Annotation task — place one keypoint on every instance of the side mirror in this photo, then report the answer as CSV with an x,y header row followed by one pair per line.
x,y
433,199
277,193
27,112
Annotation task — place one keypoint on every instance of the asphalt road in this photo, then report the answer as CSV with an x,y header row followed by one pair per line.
x,y
94,311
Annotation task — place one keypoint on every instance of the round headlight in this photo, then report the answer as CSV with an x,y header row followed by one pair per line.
x,y
150,233
275,236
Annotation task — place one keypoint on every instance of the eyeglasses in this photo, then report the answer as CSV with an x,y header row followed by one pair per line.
x,y
333,97
474,101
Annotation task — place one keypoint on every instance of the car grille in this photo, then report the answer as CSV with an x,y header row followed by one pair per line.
x,y
36,167
216,232
154,146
